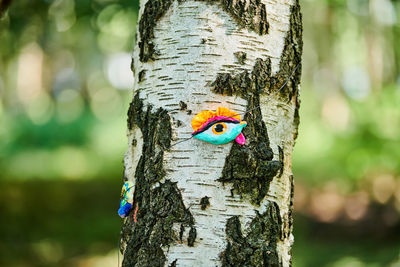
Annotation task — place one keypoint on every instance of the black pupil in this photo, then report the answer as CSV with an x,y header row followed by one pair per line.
x,y
219,128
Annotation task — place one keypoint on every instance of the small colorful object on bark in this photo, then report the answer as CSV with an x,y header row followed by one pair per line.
x,y
127,199
219,127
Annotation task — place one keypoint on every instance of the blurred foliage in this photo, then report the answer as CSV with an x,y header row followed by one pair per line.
x,y
64,92
53,223
62,111
363,140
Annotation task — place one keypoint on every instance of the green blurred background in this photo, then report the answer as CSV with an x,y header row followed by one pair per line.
x,y
65,86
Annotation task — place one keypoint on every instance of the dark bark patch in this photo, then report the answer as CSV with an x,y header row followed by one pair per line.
x,y
179,123
153,11
250,168
251,15
182,105
160,207
289,227
192,236
281,159
291,57
290,217
133,66
173,264
142,75
259,246
240,57
204,202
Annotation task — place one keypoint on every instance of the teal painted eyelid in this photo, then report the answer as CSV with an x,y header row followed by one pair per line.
x,y
223,138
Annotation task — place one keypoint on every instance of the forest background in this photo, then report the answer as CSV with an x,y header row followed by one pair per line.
x,y
65,87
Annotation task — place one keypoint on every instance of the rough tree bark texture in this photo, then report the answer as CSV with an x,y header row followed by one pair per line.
x,y
202,204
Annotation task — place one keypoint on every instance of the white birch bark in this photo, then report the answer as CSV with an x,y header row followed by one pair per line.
x,y
194,42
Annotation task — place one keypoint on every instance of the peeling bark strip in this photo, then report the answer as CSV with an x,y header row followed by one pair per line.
x,y
248,14
259,246
160,207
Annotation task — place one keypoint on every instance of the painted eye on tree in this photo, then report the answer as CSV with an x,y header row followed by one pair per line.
x,y
219,128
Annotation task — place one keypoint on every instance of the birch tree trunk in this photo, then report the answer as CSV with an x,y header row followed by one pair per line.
x,y
201,204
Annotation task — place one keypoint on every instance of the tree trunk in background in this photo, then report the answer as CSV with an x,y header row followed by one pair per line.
x,y
3,6
202,204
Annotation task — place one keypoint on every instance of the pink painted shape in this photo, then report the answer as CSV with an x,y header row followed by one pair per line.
x,y
240,139
214,119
